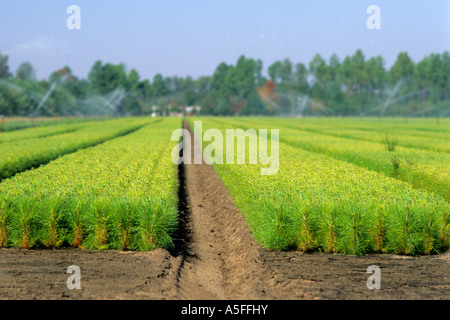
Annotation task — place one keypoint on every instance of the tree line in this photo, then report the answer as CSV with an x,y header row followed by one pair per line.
x,y
354,86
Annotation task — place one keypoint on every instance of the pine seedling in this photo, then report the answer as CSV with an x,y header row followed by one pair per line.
x,y
3,225
53,236
147,230
356,230
428,237
379,230
390,142
125,229
306,239
101,231
78,230
24,225
405,232
444,234
330,232
395,161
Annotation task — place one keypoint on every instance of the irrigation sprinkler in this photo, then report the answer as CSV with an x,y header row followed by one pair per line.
x,y
104,105
391,95
420,112
301,105
50,90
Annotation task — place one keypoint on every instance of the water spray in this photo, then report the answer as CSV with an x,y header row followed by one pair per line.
x,y
422,111
391,94
49,92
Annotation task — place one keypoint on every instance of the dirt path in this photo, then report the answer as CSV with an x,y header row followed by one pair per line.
x,y
220,259
216,257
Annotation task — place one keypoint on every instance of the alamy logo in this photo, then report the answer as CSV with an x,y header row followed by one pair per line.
x,y
374,21
73,22
213,153
374,281
74,281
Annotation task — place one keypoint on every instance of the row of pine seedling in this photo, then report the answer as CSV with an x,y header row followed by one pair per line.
x,y
121,195
318,203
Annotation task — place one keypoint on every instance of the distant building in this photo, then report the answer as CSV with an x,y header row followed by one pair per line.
x,y
179,112
176,114
192,110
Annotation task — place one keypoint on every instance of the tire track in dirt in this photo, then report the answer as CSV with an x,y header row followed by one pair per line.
x,y
218,258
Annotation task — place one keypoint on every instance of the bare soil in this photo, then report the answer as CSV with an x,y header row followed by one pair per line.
x,y
216,257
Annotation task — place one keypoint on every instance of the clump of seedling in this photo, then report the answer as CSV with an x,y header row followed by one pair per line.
x,y
390,142
445,232
428,234
3,227
306,239
391,145
78,232
395,164
52,237
379,230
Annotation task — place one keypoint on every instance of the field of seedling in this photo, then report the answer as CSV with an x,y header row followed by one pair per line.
x,y
348,188
118,194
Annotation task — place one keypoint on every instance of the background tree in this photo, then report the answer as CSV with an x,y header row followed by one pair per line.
x,y
301,78
4,68
352,86
319,71
26,72
403,68
108,77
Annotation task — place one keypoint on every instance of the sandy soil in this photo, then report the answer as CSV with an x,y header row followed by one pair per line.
x,y
216,258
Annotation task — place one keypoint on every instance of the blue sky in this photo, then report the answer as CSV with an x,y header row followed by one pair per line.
x,y
191,37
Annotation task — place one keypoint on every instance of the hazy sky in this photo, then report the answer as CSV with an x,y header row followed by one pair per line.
x,y
191,37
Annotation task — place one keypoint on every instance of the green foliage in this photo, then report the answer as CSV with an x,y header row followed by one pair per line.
x,y
118,195
355,85
23,154
25,72
4,68
318,203
418,166
390,142
39,132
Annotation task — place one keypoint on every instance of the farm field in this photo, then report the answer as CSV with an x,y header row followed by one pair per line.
x,y
23,154
100,198
39,132
316,201
424,169
108,196
224,155
19,123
